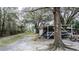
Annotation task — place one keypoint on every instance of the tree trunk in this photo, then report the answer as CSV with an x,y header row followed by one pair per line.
x,y
36,27
3,25
57,30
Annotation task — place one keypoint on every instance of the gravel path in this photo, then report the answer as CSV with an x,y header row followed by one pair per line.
x,y
18,45
27,44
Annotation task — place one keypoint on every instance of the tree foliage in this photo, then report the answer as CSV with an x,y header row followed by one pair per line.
x,y
9,21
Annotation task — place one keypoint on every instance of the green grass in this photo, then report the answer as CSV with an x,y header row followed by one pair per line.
x,y
29,33
8,40
11,39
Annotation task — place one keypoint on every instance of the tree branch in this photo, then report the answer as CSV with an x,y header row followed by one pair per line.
x,y
39,9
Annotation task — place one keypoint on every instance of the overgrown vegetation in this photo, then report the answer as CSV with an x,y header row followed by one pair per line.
x,y
10,39
14,21
10,23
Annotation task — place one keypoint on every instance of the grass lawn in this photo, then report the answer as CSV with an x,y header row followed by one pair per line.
x,y
10,39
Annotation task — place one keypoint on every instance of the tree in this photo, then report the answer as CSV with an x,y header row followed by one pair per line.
x,y
68,14
9,21
37,15
76,26
57,31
